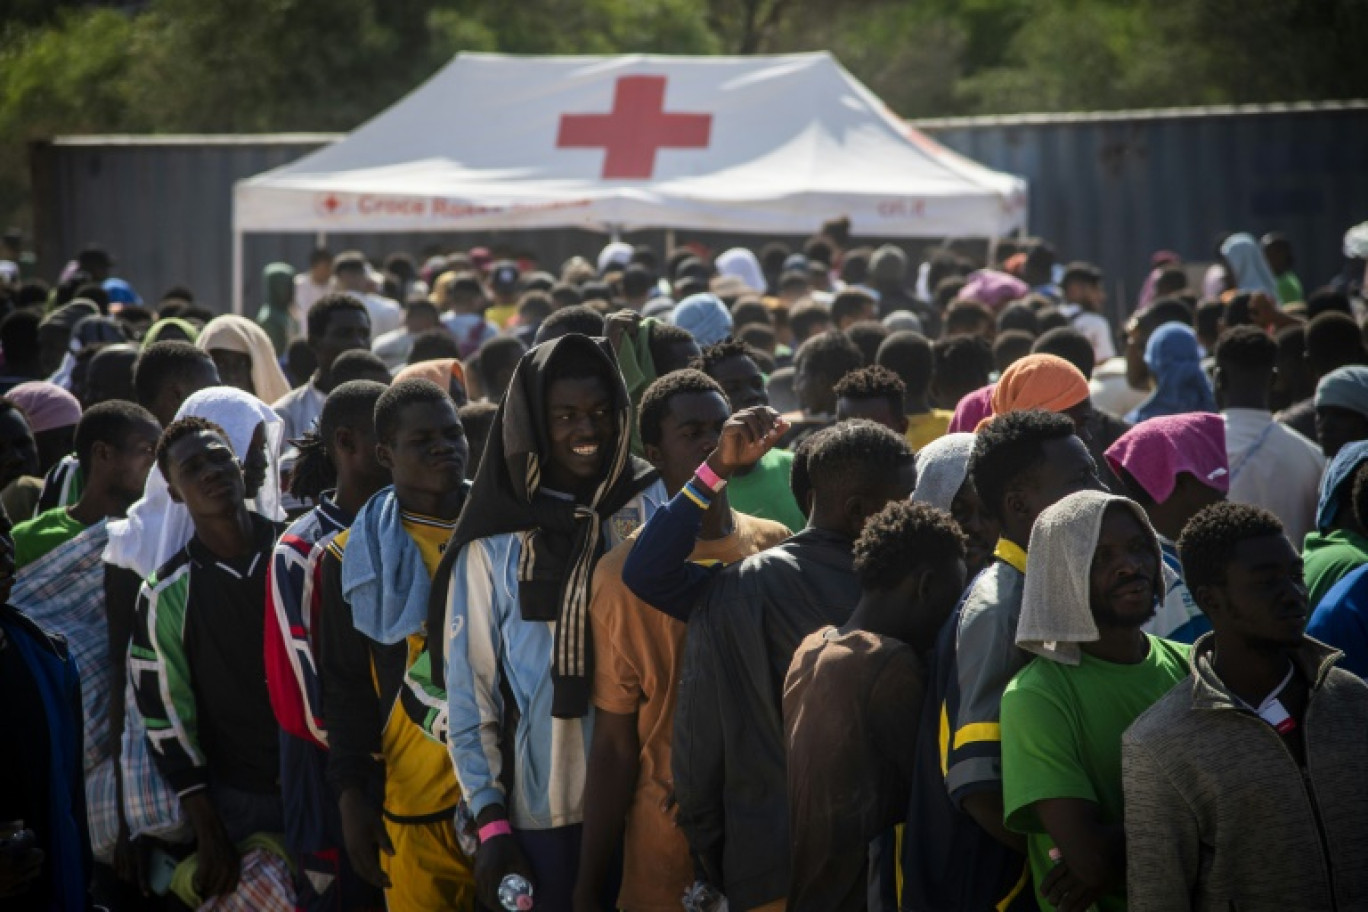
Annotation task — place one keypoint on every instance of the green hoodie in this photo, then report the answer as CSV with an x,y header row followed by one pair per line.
x,y
274,316
1329,557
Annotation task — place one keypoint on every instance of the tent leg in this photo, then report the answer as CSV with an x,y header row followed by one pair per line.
x,y
321,240
615,233
237,272
669,241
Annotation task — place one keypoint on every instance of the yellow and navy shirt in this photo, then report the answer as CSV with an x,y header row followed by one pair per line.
x,y
948,860
365,696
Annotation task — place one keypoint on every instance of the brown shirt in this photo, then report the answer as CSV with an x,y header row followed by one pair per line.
x,y
850,708
637,654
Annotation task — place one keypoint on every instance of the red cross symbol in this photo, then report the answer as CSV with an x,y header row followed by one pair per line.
x,y
635,128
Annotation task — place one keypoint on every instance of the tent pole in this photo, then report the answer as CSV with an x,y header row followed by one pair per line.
x,y
669,241
615,233
321,240
237,271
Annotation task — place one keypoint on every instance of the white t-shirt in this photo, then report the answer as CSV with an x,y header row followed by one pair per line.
x,y
1094,327
306,292
1274,467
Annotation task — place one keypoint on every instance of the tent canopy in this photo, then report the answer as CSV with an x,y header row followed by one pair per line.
x,y
766,145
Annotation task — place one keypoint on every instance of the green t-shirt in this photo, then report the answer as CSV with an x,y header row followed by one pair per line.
x,y
1061,738
1289,288
36,537
765,491
1328,558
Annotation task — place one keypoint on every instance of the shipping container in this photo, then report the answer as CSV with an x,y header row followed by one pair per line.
x,y
1110,188
1115,187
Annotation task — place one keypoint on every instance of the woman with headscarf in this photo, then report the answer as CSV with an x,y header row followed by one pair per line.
x,y
943,482
244,356
275,317
1248,269
1175,360
740,263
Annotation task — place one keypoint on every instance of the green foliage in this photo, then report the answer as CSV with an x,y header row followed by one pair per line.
x,y
68,66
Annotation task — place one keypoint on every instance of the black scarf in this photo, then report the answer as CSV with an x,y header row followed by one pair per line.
x,y
561,540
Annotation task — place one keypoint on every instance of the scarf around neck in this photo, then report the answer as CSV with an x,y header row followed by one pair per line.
x,y
561,539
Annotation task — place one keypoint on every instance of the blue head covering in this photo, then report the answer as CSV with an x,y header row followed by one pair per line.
x,y
705,316
1339,473
120,292
1247,265
1181,385
1344,387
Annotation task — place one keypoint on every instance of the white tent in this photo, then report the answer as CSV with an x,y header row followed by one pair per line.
x,y
765,145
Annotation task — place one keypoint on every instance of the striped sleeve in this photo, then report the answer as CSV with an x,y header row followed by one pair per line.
x,y
162,685
474,703
291,674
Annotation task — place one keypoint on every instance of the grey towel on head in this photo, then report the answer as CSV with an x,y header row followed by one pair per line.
x,y
1056,605
942,466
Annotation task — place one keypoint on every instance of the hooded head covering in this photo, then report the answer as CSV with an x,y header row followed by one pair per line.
x,y
561,539
614,253
157,527
888,266
69,315
942,466
1156,451
1247,265
275,317
741,263
120,292
445,372
1344,387
705,316
996,289
1039,381
154,332
239,334
900,320
46,405
88,331
1338,473
1175,360
1056,604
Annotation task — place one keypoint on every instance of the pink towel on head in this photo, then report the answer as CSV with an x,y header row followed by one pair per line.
x,y
996,289
46,405
972,409
1154,452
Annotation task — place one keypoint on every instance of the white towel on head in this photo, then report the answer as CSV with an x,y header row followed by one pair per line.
x,y
1056,605
942,466
157,527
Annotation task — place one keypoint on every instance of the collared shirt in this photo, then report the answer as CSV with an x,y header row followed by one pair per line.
x,y
1273,467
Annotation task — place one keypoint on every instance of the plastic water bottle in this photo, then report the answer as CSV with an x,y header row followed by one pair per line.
x,y
515,893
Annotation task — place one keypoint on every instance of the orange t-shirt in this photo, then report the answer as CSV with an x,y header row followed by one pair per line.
x,y
637,654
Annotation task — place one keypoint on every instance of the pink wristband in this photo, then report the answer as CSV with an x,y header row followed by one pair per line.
x,y
710,478
497,828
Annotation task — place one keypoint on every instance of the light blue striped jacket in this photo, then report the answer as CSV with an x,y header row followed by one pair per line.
x,y
491,652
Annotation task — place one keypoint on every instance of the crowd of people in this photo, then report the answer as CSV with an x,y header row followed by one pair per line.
x,y
815,579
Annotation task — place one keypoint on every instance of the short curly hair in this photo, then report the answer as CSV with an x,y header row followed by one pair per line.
x,y
718,352
1208,542
655,402
851,455
962,361
180,429
830,356
872,382
902,538
1010,446
1246,349
908,354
